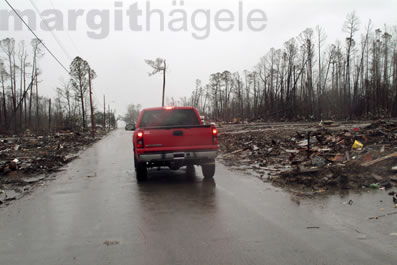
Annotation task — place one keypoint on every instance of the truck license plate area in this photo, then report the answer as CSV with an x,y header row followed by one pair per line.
x,y
179,156
178,133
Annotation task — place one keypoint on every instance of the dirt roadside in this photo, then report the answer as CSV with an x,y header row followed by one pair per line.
x,y
313,158
29,160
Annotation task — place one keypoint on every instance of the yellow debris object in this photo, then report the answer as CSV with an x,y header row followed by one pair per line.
x,y
358,145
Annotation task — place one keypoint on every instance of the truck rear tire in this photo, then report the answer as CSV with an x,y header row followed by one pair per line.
x,y
208,170
140,171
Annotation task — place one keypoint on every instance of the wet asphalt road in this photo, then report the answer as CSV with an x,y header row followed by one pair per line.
x,y
96,213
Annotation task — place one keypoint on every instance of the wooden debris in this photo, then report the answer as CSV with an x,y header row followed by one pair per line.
x,y
374,162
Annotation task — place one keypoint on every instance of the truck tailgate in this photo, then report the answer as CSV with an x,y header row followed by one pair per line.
x,y
177,137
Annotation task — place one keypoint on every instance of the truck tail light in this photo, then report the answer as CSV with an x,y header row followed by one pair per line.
x,y
214,136
139,138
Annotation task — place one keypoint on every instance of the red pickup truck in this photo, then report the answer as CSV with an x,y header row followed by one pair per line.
x,y
174,137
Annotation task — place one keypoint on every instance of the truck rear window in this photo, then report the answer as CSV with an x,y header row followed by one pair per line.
x,y
169,118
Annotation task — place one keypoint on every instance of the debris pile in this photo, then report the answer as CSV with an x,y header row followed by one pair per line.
x,y
23,158
318,158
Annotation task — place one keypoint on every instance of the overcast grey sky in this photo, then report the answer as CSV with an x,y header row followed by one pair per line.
x,y
119,58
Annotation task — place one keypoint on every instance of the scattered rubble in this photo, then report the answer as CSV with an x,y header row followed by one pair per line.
x,y
350,203
315,158
111,243
3,196
26,160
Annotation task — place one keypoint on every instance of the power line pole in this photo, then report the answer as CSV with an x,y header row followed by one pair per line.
x,y
104,112
164,73
109,115
37,100
92,107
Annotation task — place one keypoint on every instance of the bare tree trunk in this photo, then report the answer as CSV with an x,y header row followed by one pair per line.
x,y
4,102
355,95
30,107
310,76
83,109
49,114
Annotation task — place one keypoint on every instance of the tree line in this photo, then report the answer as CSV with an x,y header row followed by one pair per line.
x,y
132,115
309,80
22,105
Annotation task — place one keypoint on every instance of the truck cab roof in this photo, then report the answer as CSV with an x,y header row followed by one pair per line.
x,y
167,108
